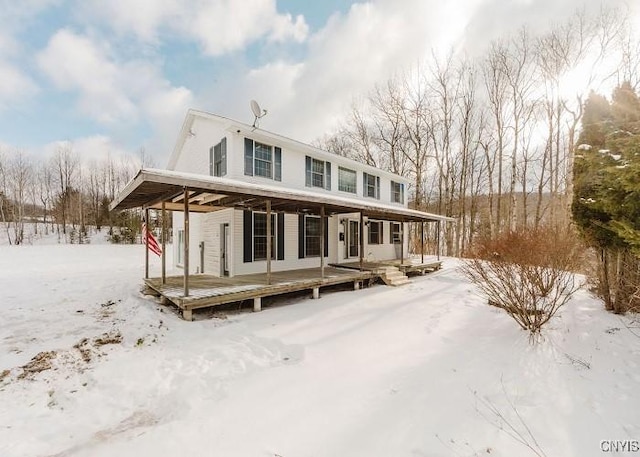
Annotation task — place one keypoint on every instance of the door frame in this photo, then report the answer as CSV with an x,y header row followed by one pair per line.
x,y
225,249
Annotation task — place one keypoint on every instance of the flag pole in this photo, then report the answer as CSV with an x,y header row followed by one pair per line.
x,y
145,240
164,239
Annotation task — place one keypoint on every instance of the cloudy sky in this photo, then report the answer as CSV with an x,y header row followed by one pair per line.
x,y
119,75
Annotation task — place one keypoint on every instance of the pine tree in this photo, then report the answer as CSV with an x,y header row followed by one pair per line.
x,y
606,206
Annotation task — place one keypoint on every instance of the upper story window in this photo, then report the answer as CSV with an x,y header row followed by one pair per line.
x,y
346,180
397,192
317,173
218,159
262,160
371,185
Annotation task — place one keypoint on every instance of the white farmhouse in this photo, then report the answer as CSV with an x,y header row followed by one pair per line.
x,y
228,179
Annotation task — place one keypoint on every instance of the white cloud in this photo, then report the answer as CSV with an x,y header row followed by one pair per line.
x,y
219,26
14,85
110,91
346,59
91,148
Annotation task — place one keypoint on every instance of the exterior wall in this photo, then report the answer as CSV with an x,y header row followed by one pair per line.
x,y
372,252
194,157
293,169
212,236
291,260
195,237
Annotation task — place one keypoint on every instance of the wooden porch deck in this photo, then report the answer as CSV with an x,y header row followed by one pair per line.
x,y
206,290
408,266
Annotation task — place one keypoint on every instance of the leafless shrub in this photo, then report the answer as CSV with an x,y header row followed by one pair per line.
x,y
528,273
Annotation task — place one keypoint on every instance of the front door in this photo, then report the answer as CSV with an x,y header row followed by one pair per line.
x,y
225,244
353,246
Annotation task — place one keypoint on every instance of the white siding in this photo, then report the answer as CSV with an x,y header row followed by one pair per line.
x,y
194,157
195,236
212,232
291,260
293,169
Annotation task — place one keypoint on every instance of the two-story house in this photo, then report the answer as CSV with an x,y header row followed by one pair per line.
x,y
233,242
247,201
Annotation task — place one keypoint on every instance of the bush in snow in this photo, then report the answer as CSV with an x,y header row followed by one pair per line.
x,y
528,273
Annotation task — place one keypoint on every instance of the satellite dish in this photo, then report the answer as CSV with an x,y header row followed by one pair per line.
x,y
257,112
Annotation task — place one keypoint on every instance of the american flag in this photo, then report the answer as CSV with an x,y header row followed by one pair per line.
x,y
150,240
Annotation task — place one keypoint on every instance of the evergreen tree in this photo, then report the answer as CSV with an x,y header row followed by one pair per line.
x,y
606,206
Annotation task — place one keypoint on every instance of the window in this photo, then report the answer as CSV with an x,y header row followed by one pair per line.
x,y
317,173
375,232
371,185
397,192
254,236
260,236
396,235
312,233
180,247
262,160
346,180
218,159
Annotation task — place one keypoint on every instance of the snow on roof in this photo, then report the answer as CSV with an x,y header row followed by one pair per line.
x,y
151,186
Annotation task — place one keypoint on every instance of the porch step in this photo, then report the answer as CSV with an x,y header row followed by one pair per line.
x,y
392,276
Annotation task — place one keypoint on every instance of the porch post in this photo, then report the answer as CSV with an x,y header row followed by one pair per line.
x,y
361,241
438,241
146,245
269,242
322,235
186,241
163,240
401,242
422,242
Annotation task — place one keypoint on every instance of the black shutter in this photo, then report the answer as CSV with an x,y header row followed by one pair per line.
x,y
391,188
248,236
223,158
301,236
248,157
211,161
307,174
402,193
277,160
381,225
378,187
326,237
327,166
280,241
365,192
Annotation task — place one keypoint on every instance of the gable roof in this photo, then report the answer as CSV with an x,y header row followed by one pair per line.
x,y
275,139
151,187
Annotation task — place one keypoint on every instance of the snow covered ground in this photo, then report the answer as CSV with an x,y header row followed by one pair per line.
x,y
423,370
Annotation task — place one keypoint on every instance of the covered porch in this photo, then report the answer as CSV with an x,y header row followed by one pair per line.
x,y
186,192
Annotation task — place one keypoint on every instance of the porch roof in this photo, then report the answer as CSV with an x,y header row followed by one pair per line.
x,y
151,187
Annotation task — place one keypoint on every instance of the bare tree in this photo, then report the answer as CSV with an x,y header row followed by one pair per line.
x,y
65,164
19,179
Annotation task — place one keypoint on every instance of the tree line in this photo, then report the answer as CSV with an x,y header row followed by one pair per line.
x,y
61,194
489,140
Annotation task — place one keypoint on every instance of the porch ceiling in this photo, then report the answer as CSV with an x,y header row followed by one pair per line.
x,y
150,188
